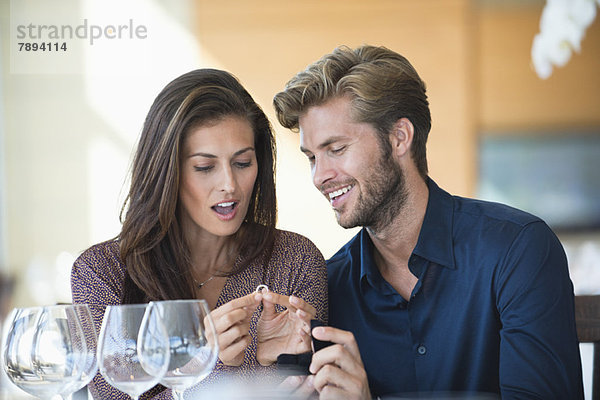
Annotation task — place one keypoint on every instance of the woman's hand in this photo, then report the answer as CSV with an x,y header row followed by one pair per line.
x,y
283,332
232,324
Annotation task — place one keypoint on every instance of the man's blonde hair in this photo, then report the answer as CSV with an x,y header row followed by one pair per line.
x,y
382,84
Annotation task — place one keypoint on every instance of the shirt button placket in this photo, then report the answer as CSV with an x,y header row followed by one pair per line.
x,y
421,350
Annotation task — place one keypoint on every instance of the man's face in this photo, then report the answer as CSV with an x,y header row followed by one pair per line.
x,y
364,185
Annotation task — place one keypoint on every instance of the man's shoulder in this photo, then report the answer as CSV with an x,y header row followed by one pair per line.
x,y
462,218
497,227
487,212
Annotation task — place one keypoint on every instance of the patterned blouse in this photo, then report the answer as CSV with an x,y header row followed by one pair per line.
x,y
296,267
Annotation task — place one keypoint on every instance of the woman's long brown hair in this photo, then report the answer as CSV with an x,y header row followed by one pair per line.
x,y
152,245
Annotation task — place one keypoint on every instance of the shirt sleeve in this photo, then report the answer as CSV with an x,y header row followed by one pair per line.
x,y
539,352
96,280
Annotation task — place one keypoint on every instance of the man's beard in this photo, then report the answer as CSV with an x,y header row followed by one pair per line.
x,y
383,196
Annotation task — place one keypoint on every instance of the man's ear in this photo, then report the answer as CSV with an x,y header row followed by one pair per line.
x,y
401,137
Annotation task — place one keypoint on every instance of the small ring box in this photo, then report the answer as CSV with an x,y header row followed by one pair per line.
x,y
297,364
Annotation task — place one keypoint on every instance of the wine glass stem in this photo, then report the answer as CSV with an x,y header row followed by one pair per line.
x,y
177,394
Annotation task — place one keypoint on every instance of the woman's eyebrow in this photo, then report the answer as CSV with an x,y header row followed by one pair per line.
x,y
208,155
242,151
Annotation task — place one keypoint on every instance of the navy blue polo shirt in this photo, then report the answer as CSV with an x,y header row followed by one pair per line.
x,y
492,310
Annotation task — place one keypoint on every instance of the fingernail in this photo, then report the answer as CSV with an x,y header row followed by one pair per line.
x,y
258,296
319,330
294,299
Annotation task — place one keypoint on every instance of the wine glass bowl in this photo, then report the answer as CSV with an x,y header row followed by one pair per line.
x,y
193,355
133,349
50,350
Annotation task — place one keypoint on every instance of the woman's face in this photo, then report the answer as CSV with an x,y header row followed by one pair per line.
x,y
218,171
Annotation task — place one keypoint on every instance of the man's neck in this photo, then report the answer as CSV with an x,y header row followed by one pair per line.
x,y
395,243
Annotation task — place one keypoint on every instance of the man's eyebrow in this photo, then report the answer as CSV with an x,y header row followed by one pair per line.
x,y
326,143
208,155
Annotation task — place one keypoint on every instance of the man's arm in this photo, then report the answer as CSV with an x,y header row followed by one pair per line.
x,y
539,352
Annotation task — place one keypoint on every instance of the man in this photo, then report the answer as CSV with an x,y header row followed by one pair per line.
x,y
439,293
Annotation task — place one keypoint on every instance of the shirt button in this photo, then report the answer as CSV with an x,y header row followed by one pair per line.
x,y
422,350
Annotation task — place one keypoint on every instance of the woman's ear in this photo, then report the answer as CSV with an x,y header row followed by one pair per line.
x,y
401,137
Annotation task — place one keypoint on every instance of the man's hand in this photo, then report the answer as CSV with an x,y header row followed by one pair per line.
x,y
283,332
232,325
339,371
299,387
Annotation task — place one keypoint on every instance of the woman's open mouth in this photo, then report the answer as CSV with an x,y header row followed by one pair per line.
x,y
225,210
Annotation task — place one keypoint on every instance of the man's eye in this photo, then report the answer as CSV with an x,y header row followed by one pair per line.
x,y
338,150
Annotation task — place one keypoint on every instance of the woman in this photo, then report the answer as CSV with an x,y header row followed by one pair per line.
x,y
200,223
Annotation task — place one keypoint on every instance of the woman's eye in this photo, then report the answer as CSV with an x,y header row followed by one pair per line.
x,y
204,169
240,164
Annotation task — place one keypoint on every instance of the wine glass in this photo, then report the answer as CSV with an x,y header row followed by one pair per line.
x,y
50,350
84,340
193,356
133,348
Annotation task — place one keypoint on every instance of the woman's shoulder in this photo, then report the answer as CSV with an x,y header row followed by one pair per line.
x,y
99,271
287,240
110,248
100,255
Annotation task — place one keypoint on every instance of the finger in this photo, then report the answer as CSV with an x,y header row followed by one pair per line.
x,y
339,356
234,353
332,376
269,311
277,298
304,344
306,388
300,304
339,336
331,392
305,318
250,301
233,334
230,319
292,383
292,302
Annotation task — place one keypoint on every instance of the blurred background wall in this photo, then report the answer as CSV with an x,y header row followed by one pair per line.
x,y
67,131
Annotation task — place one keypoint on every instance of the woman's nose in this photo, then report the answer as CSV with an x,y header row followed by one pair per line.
x,y
227,180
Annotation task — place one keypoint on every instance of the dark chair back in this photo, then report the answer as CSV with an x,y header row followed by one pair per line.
x,y
587,319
